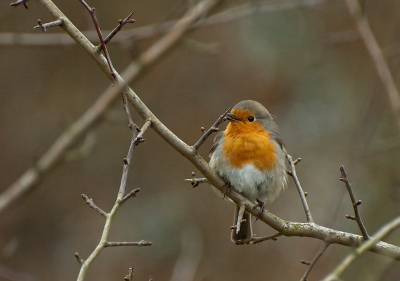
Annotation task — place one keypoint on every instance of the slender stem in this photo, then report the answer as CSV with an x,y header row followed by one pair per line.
x,y
92,205
116,30
119,244
299,189
210,131
314,261
377,56
257,240
380,234
355,203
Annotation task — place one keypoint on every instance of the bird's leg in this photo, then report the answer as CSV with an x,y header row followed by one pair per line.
x,y
240,217
262,208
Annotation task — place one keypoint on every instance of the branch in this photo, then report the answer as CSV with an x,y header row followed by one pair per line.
x,y
47,25
129,277
196,181
103,45
293,174
314,261
355,204
139,33
118,244
92,205
367,246
377,56
30,178
282,226
211,130
116,30
110,216
20,2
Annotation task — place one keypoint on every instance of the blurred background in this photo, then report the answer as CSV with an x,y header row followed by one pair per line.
x,y
306,63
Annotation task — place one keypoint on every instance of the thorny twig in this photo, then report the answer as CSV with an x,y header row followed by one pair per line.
x,y
210,131
109,217
355,204
20,2
129,277
97,26
293,174
118,244
379,235
49,24
121,23
89,201
314,261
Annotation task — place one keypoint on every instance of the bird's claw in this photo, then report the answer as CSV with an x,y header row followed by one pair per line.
x,y
262,208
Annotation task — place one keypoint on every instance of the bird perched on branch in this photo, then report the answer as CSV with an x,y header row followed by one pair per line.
x,y
250,157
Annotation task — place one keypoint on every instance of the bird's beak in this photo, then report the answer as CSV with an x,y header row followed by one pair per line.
x,y
232,117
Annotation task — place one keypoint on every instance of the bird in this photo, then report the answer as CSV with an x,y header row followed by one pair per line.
x,y
250,156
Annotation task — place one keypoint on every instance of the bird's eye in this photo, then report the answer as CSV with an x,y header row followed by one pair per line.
x,y
251,118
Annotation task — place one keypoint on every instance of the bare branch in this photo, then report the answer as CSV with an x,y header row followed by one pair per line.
x,y
97,26
367,246
119,244
116,30
273,237
355,204
139,33
92,205
314,261
210,131
377,56
30,178
129,277
293,174
78,258
196,181
47,25
129,195
20,2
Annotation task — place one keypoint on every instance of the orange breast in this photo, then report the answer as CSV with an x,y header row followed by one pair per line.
x,y
245,144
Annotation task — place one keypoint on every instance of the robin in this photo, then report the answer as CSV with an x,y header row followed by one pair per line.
x,y
250,157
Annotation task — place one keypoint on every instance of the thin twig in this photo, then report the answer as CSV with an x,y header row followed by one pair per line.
x,y
119,244
31,177
355,204
377,56
273,237
49,24
196,181
314,261
210,131
379,235
78,258
129,277
20,2
293,174
89,201
139,33
116,30
103,241
97,26
129,195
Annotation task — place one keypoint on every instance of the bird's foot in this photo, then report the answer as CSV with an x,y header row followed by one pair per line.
x,y
260,204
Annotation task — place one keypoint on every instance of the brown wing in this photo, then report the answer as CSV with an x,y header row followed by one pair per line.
x,y
217,139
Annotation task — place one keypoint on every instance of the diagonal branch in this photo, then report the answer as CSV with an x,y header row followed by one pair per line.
x,y
314,261
211,130
377,56
49,159
355,204
103,45
293,174
382,233
116,30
